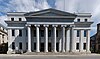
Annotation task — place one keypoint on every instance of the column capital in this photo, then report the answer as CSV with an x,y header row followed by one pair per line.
x,y
54,25
27,25
63,25
72,25
37,25
46,25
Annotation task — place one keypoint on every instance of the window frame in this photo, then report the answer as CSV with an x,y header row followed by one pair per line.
x,y
13,32
78,33
12,19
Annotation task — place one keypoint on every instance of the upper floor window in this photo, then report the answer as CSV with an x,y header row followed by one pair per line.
x,y
12,19
42,33
78,20
85,20
49,33
34,33
20,19
85,33
78,33
13,32
20,32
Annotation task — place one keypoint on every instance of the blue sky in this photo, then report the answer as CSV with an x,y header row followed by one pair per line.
x,y
90,6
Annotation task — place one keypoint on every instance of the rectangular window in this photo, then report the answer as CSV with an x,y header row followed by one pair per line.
x,y
34,46
13,32
85,20
34,33
26,32
42,33
85,33
12,19
57,32
13,45
77,46
84,46
20,19
26,45
49,33
20,32
20,45
78,20
78,33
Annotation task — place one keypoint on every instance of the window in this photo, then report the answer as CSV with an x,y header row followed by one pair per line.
x,y
85,20
78,20
20,45
20,19
34,46
42,33
84,46
26,45
78,33
34,33
13,45
20,32
57,33
49,33
13,32
85,33
77,46
26,32
12,19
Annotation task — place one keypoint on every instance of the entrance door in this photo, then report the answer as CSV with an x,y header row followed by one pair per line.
x,y
49,47
42,47
57,47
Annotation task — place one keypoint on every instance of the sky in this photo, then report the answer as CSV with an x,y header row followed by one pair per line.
x,y
72,6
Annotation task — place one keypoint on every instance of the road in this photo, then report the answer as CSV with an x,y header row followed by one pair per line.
x,y
50,57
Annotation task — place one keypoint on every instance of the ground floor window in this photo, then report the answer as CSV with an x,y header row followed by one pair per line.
x,y
84,47
13,45
34,46
26,45
20,45
77,46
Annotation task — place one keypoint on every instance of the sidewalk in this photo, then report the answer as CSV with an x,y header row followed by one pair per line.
x,y
48,55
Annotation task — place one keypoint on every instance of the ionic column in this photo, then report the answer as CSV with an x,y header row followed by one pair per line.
x,y
67,40
72,39
29,38
88,41
63,37
46,38
37,38
54,44
80,41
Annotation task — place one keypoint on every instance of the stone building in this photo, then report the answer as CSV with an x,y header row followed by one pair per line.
x,y
49,30
3,34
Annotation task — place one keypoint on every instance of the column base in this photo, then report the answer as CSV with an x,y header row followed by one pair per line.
x,y
88,52
29,51
46,51
10,52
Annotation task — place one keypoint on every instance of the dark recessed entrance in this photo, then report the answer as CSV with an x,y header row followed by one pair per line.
x,y
49,47
42,47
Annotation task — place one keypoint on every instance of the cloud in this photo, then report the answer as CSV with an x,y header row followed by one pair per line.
x,y
20,6
86,6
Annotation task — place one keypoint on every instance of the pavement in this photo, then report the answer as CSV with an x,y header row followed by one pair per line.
x,y
18,56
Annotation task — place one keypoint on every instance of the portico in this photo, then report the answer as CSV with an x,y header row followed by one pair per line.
x,y
49,30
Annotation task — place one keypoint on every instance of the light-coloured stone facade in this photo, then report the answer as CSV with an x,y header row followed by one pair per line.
x,y
49,30
3,34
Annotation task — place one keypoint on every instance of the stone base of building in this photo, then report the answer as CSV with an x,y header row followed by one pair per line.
x,y
10,52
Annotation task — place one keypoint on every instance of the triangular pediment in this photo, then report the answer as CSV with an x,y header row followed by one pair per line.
x,y
49,12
